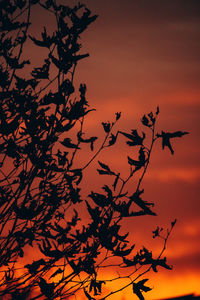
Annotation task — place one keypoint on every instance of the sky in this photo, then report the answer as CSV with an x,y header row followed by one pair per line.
x,y
145,53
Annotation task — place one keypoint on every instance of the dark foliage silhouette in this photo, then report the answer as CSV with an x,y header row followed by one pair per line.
x,y
41,135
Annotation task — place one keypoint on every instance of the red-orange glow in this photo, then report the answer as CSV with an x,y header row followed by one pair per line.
x,y
144,54
151,57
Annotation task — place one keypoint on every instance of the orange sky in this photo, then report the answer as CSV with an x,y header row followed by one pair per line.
x,y
143,54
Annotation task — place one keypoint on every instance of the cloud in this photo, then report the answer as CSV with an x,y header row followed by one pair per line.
x,y
171,284
190,175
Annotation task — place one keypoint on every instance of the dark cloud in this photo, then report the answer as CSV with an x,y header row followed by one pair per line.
x,y
186,263
137,43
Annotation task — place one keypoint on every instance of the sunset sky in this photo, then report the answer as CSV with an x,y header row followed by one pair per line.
x,y
145,53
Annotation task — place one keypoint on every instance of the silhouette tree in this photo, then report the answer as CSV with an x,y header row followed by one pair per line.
x,y
41,135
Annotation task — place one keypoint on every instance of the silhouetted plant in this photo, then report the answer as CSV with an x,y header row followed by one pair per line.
x,y
41,134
